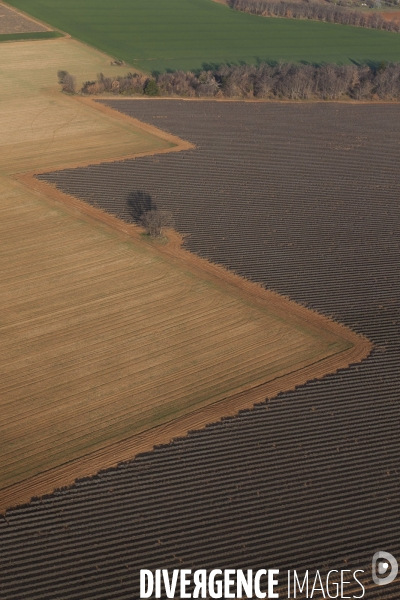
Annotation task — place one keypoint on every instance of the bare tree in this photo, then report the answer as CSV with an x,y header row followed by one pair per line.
x,y
144,211
67,81
61,74
178,82
154,221
387,82
295,82
263,81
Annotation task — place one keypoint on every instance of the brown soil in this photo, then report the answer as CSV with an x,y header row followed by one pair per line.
x,y
392,15
12,21
174,250
178,143
227,282
126,449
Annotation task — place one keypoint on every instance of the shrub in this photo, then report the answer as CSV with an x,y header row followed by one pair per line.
x,y
151,88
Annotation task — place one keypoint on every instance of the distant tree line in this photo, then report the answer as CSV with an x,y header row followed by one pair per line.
x,y
286,81
314,10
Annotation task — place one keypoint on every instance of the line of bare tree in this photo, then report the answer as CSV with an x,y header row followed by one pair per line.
x,y
315,11
286,81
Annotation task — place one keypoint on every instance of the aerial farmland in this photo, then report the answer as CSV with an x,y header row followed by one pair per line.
x,y
188,34
223,395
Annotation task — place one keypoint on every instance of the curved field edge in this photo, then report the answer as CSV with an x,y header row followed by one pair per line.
x,y
189,34
108,456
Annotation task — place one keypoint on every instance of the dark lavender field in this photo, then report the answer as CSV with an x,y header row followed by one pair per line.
x,y
303,198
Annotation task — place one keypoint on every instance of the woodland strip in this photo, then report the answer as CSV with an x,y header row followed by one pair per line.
x,y
282,81
314,11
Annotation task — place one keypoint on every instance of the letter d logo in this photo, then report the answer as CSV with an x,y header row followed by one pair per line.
x,y
380,563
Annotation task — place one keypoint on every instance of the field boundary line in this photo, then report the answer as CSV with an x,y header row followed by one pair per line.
x,y
281,306
88,465
105,97
111,455
178,143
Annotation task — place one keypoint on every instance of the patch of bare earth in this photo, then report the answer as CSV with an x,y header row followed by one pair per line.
x,y
390,15
12,21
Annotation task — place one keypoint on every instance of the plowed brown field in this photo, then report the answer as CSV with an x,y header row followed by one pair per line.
x,y
390,15
104,338
109,343
41,128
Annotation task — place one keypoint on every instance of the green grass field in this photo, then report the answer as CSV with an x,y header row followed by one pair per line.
x,y
155,35
34,35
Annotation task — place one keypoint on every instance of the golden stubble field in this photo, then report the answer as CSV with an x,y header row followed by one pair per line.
x,y
110,343
42,129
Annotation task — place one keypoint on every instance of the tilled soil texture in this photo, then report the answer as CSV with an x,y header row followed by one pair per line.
x,y
41,128
11,21
104,339
303,198
93,358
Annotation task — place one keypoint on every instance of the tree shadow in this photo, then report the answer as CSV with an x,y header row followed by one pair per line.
x,y
372,64
138,203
